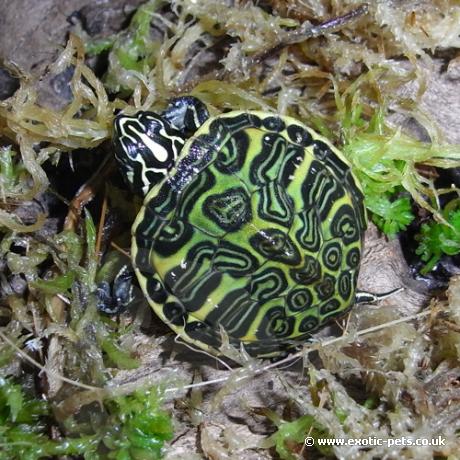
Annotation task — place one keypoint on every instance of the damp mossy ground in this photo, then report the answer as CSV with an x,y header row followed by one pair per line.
x,y
59,353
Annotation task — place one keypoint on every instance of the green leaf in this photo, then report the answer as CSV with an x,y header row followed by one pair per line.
x,y
390,216
143,427
90,234
10,171
73,247
120,358
95,47
14,399
436,239
296,432
91,255
57,285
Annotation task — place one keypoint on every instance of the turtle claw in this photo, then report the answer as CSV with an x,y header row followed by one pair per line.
x,y
114,298
368,297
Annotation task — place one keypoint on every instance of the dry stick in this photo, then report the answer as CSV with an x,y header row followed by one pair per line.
x,y
300,354
100,229
88,191
307,31
120,249
304,32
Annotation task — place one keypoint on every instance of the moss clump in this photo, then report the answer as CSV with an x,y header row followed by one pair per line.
x,y
130,428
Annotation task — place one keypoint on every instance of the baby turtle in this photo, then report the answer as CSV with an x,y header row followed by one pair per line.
x,y
252,224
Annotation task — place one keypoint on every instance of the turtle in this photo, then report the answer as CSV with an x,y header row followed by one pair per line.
x,y
251,229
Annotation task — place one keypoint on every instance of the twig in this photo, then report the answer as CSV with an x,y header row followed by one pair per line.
x,y
44,369
88,191
120,249
304,32
310,349
100,229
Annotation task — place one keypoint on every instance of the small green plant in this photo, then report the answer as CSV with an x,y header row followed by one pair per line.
x,y
391,214
134,50
382,160
385,160
436,239
290,435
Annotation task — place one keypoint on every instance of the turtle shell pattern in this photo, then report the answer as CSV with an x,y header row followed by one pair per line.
x,y
257,233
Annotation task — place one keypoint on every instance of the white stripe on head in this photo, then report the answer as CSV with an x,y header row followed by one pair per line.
x,y
146,148
158,151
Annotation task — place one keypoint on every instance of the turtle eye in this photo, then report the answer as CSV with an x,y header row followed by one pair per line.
x,y
146,148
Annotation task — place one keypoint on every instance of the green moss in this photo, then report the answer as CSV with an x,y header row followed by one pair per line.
x,y
95,47
12,173
133,428
24,431
134,49
138,427
290,434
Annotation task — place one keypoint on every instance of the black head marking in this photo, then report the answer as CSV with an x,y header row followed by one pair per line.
x,y
186,114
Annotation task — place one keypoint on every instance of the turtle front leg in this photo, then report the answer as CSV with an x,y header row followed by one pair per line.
x,y
114,298
186,114
368,297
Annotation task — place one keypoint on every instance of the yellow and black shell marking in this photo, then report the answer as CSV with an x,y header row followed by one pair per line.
x,y
256,231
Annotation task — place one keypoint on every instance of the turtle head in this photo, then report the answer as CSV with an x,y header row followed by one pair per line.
x,y
147,144
146,148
